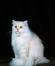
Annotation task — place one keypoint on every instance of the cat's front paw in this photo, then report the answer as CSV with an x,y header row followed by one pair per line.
x,y
17,62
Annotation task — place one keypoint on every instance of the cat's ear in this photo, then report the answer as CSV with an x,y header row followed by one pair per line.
x,y
26,21
13,22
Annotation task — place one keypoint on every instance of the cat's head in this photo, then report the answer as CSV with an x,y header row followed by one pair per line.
x,y
19,26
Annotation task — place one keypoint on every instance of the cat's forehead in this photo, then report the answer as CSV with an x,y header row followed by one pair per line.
x,y
19,22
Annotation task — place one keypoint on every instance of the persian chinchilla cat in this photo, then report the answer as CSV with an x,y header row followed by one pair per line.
x,y
27,46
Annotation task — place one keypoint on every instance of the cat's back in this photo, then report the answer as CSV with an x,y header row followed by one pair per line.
x,y
35,39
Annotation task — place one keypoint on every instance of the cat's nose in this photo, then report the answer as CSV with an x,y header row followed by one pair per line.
x,y
17,29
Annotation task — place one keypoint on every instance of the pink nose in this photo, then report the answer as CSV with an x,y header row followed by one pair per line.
x,y
17,29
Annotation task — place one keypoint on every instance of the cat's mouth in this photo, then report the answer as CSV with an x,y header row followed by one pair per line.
x,y
18,33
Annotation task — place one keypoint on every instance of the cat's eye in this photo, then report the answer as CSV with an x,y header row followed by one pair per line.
x,y
20,26
15,26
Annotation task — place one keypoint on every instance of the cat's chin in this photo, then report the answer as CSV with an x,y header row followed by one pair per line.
x,y
17,33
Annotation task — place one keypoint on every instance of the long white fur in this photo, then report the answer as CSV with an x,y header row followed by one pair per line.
x,y
27,46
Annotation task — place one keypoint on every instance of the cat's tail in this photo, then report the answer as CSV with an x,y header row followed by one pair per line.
x,y
43,60
16,62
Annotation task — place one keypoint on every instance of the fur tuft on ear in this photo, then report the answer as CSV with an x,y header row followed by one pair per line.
x,y
26,21
13,21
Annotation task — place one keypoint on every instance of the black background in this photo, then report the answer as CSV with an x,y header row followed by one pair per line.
x,y
40,15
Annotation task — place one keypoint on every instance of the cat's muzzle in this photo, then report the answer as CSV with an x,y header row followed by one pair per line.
x,y
18,33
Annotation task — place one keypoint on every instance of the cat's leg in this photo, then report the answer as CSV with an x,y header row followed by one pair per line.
x,y
29,61
24,52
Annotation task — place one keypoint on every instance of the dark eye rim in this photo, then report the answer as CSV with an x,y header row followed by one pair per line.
x,y
21,27
15,26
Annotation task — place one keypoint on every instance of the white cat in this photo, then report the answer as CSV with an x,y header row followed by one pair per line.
x,y
27,46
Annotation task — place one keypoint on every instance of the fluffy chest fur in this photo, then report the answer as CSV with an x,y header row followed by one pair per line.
x,y
21,42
